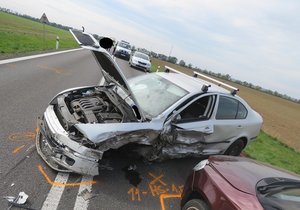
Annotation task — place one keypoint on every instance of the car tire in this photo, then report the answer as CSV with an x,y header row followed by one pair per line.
x,y
235,148
195,204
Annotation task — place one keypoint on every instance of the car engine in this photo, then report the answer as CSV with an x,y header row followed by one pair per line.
x,y
95,109
89,106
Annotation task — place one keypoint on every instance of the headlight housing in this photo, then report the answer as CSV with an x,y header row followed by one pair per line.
x,y
201,165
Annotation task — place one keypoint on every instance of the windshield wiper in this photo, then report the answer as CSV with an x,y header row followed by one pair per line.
x,y
280,185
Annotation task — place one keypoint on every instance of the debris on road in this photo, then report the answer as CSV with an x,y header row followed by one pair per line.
x,y
132,175
87,195
131,168
18,201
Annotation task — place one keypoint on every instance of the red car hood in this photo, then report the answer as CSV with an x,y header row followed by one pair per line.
x,y
243,173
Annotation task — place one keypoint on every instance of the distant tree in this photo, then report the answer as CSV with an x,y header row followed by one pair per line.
x,y
162,57
153,54
190,65
227,77
181,63
172,59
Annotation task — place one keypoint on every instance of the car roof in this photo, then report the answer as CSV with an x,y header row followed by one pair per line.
x,y
138,52
192,84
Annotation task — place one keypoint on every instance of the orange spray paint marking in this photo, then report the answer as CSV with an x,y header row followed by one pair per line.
x,y
23,136
27,135
56,70
15,151
135,193
71,184
163,196
157,179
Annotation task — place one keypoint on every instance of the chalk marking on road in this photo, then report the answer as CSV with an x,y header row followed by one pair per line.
x,y
55,193
35,56
81,203
59,184
163,196
15,151
56,70
22,136
26,135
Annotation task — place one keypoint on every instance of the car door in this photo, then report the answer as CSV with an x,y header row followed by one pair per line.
x,y
230,119
193,122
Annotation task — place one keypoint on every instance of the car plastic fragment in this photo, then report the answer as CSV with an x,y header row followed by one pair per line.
x,y
18,201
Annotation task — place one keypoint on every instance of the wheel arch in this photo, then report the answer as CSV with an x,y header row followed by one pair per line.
x,y
195,195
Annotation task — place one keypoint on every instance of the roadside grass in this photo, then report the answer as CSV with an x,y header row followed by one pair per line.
x,y
268,149
153,67
22,36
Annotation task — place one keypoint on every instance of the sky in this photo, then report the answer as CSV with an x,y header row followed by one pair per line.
x,y
257,41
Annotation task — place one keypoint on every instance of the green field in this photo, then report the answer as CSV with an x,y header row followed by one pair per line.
x,y
22,36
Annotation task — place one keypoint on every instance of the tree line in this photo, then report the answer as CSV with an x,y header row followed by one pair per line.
x,y
227,77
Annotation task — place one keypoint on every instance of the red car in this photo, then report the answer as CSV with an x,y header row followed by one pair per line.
x,y
227,182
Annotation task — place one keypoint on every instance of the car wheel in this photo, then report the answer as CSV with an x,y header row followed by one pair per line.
x,y
195,204
236,148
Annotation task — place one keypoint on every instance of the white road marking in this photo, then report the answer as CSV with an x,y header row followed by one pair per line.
x,y
55,192
81,203
35,56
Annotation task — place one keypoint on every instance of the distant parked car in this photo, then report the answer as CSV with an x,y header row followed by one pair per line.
x,y
237,183
122,50
140,60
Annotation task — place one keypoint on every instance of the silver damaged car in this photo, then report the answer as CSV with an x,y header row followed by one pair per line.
x,y
156,116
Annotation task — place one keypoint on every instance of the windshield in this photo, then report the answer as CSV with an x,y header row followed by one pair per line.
x,y
279,193
141,55
154,93
124,45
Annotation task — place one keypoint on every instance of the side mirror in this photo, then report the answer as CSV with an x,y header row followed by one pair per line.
x,y
106,42
177,118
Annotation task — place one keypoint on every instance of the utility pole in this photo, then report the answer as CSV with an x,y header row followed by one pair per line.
x,y
171,50
44,20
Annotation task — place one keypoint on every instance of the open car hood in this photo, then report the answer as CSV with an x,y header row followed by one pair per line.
x,y
109,68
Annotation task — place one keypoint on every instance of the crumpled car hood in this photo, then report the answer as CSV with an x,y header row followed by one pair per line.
x,y
109,68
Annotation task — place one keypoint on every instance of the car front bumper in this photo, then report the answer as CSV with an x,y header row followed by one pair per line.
x,y
122,54
62,153
141,66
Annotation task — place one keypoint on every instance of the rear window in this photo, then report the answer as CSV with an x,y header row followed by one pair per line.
x,y
142,55
124,45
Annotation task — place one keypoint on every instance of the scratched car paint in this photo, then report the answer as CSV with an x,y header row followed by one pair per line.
x,y
155,116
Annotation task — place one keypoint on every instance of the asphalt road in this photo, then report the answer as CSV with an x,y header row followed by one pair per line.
x,y
26,87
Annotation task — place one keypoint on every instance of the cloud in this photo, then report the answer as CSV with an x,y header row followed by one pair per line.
x,y
241,38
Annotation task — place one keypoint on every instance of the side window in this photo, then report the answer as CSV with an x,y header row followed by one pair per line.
x,y
230,108
198,110
242,112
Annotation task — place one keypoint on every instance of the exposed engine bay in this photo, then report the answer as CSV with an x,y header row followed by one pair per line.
x,y
94,105
95,109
